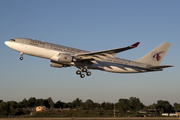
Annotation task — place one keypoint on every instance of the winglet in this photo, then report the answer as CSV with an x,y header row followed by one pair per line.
x,y
135,44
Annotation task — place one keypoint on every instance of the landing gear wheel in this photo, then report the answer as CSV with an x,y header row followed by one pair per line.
x,y
21,58
84,70
82,75
88,73
78,72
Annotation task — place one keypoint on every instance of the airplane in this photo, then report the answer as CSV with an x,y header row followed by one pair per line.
x,y
62,56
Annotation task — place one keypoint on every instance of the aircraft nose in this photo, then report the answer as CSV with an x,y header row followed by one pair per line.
x,y
6,43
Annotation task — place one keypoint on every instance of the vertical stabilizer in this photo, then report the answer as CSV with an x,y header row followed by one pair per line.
x,y
155,56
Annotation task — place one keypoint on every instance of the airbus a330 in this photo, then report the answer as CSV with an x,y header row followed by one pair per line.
x,y
62,56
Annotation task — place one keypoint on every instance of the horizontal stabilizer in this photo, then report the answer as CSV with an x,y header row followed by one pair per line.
x,y
158,67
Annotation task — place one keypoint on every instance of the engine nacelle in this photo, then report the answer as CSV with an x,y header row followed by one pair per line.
x,y
57,65
54,64
62,58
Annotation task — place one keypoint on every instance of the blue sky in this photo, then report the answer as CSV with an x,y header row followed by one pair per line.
x,y
93,26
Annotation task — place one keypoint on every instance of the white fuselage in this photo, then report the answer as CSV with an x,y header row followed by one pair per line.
x,y
48,51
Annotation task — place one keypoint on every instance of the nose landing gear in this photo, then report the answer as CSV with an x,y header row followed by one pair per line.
x,y
79,72
21,58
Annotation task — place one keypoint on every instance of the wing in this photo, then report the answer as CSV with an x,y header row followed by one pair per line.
x,y
104,54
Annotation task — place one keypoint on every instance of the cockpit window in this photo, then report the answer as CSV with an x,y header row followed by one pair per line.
x,y
13,39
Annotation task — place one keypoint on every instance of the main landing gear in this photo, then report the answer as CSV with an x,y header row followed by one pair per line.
x,y
21,58
79,72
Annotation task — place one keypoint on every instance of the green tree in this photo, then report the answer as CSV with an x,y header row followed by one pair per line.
x,y
50,102
164,107
46,103
18,111
107,106
78,104
97,106
39,102
177,106
12,105
135,104
23,103
153,106
89,105
59,104
3,109
31,102
123,105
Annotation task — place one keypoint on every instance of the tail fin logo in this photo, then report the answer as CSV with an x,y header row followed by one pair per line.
x,y
157,56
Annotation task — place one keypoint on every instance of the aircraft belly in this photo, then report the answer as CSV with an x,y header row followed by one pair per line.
x,y
90,65
95,66
122,69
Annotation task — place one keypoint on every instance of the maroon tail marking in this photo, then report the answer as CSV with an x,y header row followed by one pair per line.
x,y
157,56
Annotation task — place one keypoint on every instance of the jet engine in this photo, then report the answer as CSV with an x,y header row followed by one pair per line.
x,y
62,58
57,65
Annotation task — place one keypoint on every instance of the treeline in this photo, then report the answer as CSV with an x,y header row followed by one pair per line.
x,y
78,108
